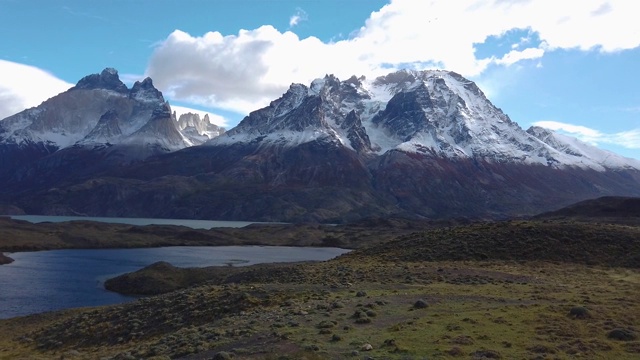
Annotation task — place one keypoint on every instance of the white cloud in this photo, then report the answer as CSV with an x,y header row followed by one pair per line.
x,y
130,79
299,16
245,71
23,86
629,139
514,56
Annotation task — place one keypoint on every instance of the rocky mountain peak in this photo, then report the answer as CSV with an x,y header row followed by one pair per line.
x,y
395,78
108,114
328,109
418,143
106,130
539,132
356,133
145,91
405,113
326,84
355,81
197,129
161,130
108,79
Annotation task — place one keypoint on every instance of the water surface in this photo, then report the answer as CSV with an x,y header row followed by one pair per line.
x,y
59,279
195,224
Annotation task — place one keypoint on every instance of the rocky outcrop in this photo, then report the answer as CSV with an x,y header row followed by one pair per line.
x,y
108,79
198,130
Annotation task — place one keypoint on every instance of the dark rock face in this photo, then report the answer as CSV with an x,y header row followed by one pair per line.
x,y
308,183
356,133
433,187
145,90
108,126
404,114
14,156
107,79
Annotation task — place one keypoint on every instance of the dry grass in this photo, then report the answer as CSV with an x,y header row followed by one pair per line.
x,y
527,318
513,290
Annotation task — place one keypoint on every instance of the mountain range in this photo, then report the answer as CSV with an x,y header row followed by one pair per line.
x,y
425,144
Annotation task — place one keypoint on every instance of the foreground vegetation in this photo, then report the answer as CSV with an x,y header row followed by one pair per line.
x,y
352,307
544,289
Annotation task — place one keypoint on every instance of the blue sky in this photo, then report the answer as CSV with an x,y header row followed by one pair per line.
x,y
567,65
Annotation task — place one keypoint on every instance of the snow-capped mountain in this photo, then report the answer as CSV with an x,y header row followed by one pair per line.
x,y
419,144
100,109
436,113
96,125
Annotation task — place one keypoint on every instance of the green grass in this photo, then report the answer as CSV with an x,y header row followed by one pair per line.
x,y
498,289
262,320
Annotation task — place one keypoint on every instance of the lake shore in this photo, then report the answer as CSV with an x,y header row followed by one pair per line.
x,y
520,289
5,259
19,235
486,290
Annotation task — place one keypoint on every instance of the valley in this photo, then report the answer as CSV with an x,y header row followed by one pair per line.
x,y
554,287
472,237
284,180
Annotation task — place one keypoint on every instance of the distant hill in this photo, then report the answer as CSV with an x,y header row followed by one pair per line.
x,y
586,243
607,208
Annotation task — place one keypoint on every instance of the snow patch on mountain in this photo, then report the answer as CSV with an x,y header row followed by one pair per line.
x,y
285,138
568,147
437,113
101,110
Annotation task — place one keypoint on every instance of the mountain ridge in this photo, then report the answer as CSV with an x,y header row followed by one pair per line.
x,y
423,144
437,112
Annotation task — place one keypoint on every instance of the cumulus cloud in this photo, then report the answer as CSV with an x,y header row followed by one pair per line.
x,y
23,86
514,56
244,71
628,139
299,16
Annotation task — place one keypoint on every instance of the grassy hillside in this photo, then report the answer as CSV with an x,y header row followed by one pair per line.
x,y
509,290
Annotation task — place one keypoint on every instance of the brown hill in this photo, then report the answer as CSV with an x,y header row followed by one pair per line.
x,y
606,209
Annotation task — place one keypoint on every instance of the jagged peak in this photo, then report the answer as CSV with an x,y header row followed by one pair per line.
x,y
296,90
146,83
436,112
108,79
396,78
145,91
355,81
406,79
163,111
539,132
